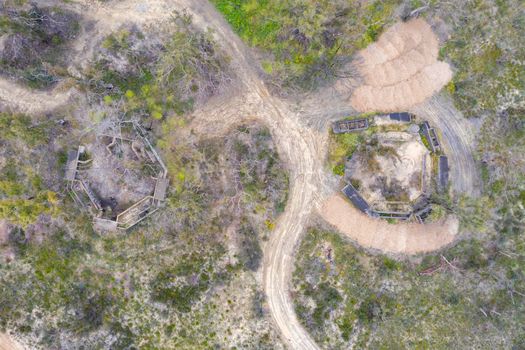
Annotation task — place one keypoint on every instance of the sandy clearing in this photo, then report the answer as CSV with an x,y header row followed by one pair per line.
x,y
7,343
401,69
404,238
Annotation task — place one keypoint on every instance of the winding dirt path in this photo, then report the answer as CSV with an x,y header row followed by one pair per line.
x,y
301,141
21,99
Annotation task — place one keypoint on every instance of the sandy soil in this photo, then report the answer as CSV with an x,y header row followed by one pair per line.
x,y
7,343
16,97
4,232
401,69
403,168
404,238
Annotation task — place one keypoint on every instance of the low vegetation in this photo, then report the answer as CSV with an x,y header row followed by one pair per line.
x,y
341,148
306,42
158,72
483,50
489,82
345,295
33,39
180,280
471,295
24,193
183,279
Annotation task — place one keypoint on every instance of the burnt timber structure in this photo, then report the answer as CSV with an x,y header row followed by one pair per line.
x,y
392,215
79,189
71,165
360,203
344,126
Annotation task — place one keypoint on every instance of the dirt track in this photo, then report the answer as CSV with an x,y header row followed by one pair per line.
x,y
18,98
401,238
301,141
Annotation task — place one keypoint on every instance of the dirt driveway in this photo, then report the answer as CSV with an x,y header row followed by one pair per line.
x,y
457,135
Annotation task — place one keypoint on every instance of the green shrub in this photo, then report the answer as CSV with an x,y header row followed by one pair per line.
x,y
339,169
488,74
35,39
309,40
342,147
250,251
17,126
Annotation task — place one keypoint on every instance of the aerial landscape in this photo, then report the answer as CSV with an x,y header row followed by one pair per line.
x,y
262,174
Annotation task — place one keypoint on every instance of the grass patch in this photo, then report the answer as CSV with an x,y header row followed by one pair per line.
x,y
392,305
308,40
341,148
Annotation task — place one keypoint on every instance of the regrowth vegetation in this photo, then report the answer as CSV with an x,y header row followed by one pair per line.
x,y
436,301
32,42
24,193
306,42
183,279
158,72
174,282
490,82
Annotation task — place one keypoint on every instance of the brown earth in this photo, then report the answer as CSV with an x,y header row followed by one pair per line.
x,y
7,343
403,238
401,69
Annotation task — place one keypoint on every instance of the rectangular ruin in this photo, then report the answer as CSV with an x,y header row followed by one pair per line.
x,y
401,117
431,136
71,165
354,196
344,126
392,215
136,213
161,187
443,171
